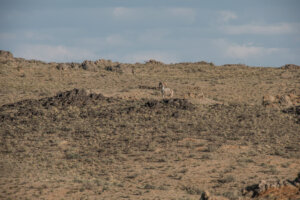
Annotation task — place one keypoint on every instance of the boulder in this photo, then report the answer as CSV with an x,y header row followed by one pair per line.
x,y
154,62
207,196
89,65
62,66
6,54
290,66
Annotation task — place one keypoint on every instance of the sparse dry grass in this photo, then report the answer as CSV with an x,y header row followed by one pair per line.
x,y
131,144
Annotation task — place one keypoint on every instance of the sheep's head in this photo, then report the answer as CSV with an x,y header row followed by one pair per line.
x,y
160,85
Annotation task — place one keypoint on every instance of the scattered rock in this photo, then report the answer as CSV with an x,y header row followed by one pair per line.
x,y
290,66
207,196
108,65
89,65
194,95
235,65
154,62
146,87
268,100
76,97
116,68
205,63
290,99
279,189
65,66
295,110
177,103
285,101
62,66
6,54
74,65
105,63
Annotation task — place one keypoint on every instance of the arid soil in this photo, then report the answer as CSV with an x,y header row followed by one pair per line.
x,y
101,130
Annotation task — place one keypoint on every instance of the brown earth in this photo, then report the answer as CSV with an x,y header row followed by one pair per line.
x,y
276,189
229,131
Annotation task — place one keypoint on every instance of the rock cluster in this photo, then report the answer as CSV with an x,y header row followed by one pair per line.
x,y
194,95
290,66
6,55
176,103
292,98
88,65
279,188
75,97
154,62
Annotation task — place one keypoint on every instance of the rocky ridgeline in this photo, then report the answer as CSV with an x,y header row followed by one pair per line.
x,y
154,62
97,65
8,58
110,65
6,55
290,66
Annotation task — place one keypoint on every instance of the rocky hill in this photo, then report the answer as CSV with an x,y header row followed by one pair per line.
x,y
101,130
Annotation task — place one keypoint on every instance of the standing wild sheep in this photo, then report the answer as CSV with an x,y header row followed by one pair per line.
x,y
164,90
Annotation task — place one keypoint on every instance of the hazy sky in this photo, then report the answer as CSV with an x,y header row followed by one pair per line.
x,y
252,32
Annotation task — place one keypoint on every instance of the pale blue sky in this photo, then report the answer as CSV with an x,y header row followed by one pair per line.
x,y
252,32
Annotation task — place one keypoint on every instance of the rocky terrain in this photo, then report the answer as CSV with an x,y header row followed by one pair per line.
x,y
101,130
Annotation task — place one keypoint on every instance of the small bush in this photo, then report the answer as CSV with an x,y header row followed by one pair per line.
x,y
192,190
226,179
149,187
70,156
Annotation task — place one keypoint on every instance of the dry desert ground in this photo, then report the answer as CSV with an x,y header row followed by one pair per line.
x,y
101,130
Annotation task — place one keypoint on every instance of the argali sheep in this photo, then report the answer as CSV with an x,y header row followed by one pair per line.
x,y
164,90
